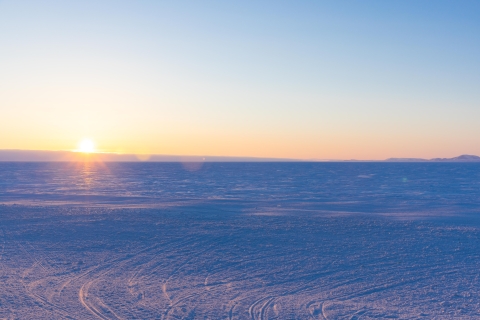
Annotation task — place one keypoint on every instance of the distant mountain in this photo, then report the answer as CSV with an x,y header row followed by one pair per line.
x,y
69,156
462,158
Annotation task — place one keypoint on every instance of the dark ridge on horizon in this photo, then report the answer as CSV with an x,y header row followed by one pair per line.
x,y
462,158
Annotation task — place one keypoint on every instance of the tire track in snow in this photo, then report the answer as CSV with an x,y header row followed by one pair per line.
x,y
28,287
103,270
174,272
88,303
361,293
263,309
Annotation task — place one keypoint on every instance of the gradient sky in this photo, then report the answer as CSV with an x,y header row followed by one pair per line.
x,y
311,79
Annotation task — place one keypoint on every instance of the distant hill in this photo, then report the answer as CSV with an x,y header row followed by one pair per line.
x,y
462,158
69,156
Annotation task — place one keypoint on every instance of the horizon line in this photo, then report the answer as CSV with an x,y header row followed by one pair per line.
x,y
19,155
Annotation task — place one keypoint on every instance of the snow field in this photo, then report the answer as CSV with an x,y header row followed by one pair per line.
x,y
216,260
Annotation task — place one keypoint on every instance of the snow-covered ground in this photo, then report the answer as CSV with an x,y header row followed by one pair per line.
x,y
240,241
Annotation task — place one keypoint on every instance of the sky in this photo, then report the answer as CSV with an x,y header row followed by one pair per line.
x,y
289,79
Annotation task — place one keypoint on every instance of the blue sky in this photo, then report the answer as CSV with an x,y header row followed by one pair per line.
x,y
348,79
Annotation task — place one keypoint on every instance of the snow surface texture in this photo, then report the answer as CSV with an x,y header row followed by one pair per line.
x,y
240,241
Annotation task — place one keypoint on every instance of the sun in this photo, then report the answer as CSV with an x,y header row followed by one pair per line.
x,y
86,146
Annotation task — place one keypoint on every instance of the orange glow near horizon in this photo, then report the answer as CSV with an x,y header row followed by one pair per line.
x,y
326,146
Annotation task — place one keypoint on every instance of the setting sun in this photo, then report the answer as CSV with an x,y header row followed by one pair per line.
x,y
86,146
